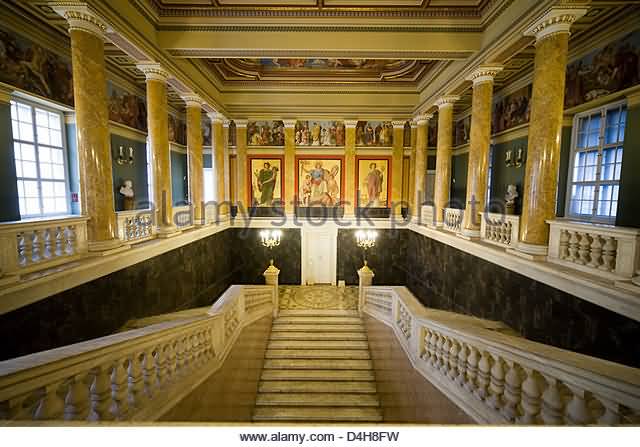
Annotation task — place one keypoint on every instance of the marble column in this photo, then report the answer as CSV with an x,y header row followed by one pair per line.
x,y
443,156
350,193
290,194
218,160
397,155
158,128
243,200
420,183
227,163
412,168
547,102
87,32
194,157
479,144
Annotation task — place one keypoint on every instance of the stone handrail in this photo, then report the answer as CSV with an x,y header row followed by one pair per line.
x,y
183,216
500,229
427,215
135,226
499,378
31,245
604,250
135,375
453,219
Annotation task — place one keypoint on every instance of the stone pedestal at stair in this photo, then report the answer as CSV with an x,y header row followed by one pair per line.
x,y
366,279
271,275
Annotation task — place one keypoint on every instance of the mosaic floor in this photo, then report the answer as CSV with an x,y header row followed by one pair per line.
x,y
318,297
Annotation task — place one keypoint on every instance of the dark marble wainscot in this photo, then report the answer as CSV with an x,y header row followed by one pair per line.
x,y
190,276
386,259
443,277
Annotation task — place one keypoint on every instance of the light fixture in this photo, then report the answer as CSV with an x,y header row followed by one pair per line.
x,y
366,240
121,160
510,161
270,239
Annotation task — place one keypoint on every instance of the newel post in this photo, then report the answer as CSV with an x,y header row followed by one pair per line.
x,y
271,275
366,279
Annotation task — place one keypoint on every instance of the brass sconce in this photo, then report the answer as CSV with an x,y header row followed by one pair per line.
x,y
510,161
121,160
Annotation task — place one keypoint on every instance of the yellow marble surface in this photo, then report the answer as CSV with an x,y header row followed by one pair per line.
x,y
420,164
478,156
545,126
350,170
397,155
241,151
194,150
412,169
94,145
218,148
443,161
289,167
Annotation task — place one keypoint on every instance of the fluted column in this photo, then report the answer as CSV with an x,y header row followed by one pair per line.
x,y
412,169
241,150
158,127
350,193
443,156
397,155
547,102
217,153
478,167
290,194
87,32
194,157
419,188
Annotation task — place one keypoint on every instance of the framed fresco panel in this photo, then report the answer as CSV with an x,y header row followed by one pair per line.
x,y
320,181
265,133
374,133
373,180
266,183
319,133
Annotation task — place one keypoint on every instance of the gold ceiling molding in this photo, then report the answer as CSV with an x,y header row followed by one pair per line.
x,y
207,53
321,28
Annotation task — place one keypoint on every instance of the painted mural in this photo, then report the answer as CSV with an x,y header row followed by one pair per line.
x,y
319,133
28,66
319,181
432,132
333,64
265,133
373,182
604,71
406,134
232,134
512,110
206,131
462,131
266,181
126,108
374,133
177,130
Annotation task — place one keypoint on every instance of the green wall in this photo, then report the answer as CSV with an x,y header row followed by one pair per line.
x,y
502,176
137,172
179,180
458,194
628,209
563,170
9,205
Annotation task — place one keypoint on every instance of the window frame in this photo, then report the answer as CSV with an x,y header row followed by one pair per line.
x,y
36,144
598,182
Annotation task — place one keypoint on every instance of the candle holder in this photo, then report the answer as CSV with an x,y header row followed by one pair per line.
x,y
121,160
366,240
270,239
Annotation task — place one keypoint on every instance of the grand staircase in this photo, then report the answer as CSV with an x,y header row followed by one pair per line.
x,y
318,368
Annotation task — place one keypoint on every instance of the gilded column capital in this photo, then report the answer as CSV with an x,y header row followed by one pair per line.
x,y
554,21
423,119
413,124
80,17
192,100
226,123
216,117
398,124
350,124
289,124
241,123
484,73
153,71
446,101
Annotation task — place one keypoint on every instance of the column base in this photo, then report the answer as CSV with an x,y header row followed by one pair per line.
x,y
469,234
531,252
167,232
200,222
106,247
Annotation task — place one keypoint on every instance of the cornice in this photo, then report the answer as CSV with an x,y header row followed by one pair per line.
x,y
291,53
320,28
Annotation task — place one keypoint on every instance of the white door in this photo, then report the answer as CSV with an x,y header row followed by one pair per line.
x,y
319,257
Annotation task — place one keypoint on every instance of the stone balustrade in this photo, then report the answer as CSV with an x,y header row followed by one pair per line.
x,y
428,216
32,245
498,378
604,250
135,226
500,229
135,375
183,216
453,219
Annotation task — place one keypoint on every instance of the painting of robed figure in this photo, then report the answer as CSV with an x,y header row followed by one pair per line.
x,y
266,181
373,182
319,182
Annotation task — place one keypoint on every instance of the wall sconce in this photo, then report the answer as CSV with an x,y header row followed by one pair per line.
x,y
270,239
366,240
121,160
510,161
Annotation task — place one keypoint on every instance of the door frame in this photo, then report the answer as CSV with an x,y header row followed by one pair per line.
x,y
308,232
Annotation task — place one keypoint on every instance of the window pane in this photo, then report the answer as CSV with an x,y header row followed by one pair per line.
x,y
58,172
26,132
43,135
28,152
30,188
60,189
29,169
48,205
54,121
56,138
48,189
57,156
32,206
621,135
18,168
594,139
42,118
24,113
44,154
582,140
61,204
611,135
582,124
594,123
46,170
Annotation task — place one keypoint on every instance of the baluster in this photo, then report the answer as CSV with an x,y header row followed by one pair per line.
x,y
59,249
50,406
49,244
21,246
444,363
100,393
15,410
484,372
462,365
577,411
161,366
611,415
513,383
609,254
76,402
28,248
552,404
135,381
574,241
431,349
472,369
148,373
530,398
192,350
453,360
583,251
438,351
119,390
200,358
211,351
170,359
508,231
496,383
71,240
180,365
596,252
564,244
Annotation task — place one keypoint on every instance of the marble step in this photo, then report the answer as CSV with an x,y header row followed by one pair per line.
x,y
326,414
317,336
317,364
318,344
317,354
310,386
318,312
318,399
317,327
361,375
317,320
